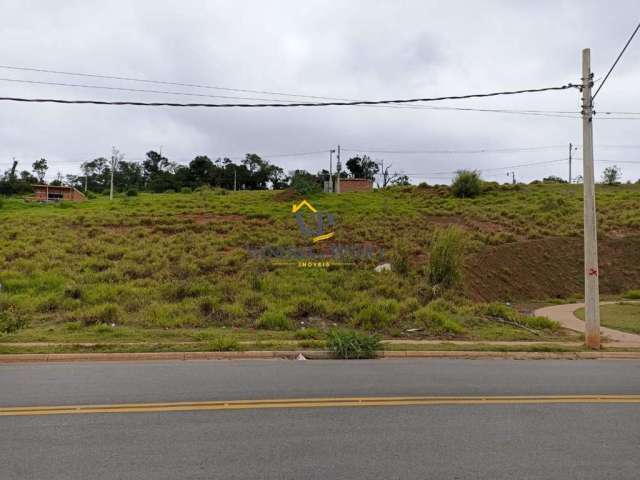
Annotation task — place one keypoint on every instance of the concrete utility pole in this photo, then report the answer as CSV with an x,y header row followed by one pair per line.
x,y
331,170
116,157
591,272
234,179
513,177
339,169
570,150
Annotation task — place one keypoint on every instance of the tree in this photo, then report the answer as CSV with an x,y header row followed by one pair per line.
x,y
362,167
202,170
40,169
389,179
467,183
305,183
611,175
553,179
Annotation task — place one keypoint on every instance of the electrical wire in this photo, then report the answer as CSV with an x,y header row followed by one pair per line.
x,y
616,61
137,90
474,151
281,105
561,114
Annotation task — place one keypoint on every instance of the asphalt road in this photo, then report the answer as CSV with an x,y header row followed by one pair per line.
x,y
505,441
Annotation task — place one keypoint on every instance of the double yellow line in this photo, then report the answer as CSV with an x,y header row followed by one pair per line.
x,y
319,403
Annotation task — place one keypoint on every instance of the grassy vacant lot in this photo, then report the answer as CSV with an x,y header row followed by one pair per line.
x,y
185,267
620,316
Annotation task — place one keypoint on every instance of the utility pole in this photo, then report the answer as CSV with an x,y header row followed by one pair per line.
x,y
570,150
331,170
234,178
116,157
513,177
339,169
591,272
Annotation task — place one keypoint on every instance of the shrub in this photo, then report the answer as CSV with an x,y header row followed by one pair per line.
x,y
132,192
632,295
305,183
72,326
376,316
186,190
1,202
466,184
108,313
273,320
10,321
438,322
539,323
504,312
349,344
224,344
400,257
446,257
309,307
309,334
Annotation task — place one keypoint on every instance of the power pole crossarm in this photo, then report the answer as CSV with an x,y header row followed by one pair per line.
x,y
591,271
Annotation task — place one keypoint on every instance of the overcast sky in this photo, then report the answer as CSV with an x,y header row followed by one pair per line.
x,y
348,49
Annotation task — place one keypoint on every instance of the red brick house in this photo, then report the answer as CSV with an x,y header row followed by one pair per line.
x,y
354,185
51,193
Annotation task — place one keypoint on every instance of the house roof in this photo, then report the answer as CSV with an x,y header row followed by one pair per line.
x,y
61,187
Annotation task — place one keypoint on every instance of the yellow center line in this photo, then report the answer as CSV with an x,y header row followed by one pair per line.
x,y
319,403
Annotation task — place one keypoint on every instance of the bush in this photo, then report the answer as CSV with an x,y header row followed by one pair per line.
x,y
305,183
224,344
11,322
632,295
309,334
101,314
466,184
1,202
446,257
503,312
376,316
132,192
186,190
349,344
273,320
438,322
400,257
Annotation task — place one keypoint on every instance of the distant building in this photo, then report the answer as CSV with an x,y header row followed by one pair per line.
x,y
354,185
51,193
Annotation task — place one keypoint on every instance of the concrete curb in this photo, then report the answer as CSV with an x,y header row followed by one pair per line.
x,y
309,354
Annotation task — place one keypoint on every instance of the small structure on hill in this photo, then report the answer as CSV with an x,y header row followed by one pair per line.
x,y
354,185
56,193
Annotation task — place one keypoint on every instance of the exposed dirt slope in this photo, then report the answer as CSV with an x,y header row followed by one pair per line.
x,y
550,267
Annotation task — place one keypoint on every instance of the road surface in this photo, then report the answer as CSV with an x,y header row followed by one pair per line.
x,y
585,438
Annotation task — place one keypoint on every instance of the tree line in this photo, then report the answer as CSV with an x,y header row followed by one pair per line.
x,y
156,173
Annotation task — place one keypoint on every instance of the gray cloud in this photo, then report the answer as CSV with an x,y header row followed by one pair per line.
x,y
355,49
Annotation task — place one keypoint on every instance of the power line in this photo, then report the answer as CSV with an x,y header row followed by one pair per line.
x,y
561,114
616,61
281,105
137,90
493,169
162,82
543,113
474,151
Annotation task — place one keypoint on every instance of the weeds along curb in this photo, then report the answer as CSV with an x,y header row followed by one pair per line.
x,y
309,354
